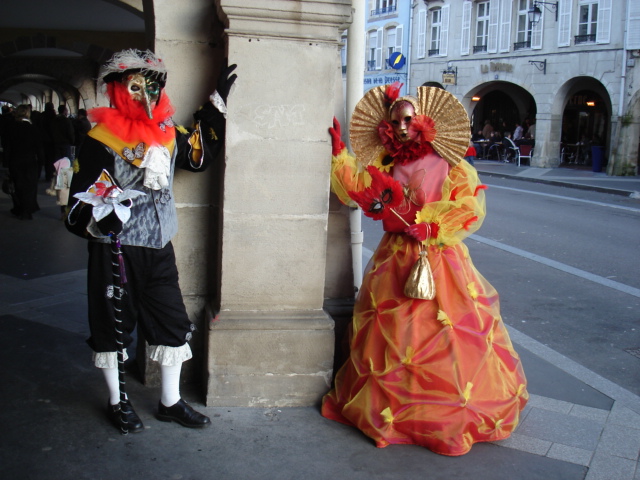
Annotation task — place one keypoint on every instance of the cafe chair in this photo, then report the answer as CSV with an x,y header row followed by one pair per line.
x,y
510,151
526,152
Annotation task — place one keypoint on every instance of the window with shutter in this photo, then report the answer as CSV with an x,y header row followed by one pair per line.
x,y
505,25
523,26
465,40
587,21
372,47
434,32
379,50
536,34
422,33
564,23
632,42
603,34
494,20
444,31
482,27
390,44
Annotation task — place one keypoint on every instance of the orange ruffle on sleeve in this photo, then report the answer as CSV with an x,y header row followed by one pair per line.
x,y
348,175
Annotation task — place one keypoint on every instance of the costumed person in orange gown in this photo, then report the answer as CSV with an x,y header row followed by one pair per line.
x,y
430,359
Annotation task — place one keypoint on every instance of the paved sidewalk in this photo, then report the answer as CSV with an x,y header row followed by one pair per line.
x,y
577,177
577,425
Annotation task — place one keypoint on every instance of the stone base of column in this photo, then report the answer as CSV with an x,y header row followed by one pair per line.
x,y
269,359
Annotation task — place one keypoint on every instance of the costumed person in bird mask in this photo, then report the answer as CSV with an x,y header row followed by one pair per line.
x,y
122,201
430,359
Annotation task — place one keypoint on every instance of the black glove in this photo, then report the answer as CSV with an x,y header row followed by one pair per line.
x,y
225,81
110,224
208,114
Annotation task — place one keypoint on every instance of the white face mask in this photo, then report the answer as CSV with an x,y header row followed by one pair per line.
x,y
143,89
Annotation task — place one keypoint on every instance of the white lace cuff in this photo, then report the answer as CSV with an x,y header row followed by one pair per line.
x,y
169,356
107,359
218,102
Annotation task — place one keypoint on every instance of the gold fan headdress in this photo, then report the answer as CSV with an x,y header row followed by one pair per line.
x,y
450,118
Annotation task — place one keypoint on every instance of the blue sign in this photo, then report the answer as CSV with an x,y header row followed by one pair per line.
x,y
397,60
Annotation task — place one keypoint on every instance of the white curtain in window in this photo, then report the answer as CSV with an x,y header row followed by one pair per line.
x,y
398,45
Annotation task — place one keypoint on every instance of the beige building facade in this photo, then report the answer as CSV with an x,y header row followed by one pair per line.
x,y
573,72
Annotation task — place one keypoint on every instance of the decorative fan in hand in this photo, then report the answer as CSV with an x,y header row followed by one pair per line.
x,y
378,200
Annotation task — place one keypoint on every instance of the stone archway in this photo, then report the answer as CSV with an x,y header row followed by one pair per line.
x,y
580,118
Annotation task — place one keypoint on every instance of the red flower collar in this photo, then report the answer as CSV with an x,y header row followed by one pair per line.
x,y
408,152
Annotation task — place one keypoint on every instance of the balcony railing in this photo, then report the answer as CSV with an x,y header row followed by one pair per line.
x,y
522,45
371,65
434,52
383,11
479,48
584,39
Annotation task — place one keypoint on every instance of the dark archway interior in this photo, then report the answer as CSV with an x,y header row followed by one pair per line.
x,y
502,111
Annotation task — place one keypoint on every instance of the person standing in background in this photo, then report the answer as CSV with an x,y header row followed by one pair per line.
x,y
62,134
81,126
487,130
24,152
46,126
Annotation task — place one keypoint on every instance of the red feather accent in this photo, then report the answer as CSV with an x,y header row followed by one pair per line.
x,y
478,188
454,194
423,128
128,120
470,222
435,228
391,93
384,194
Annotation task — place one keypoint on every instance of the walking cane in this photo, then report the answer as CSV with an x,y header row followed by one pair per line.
x,y
119,280
106,197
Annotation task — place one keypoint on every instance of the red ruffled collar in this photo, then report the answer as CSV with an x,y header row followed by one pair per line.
x,y
128,120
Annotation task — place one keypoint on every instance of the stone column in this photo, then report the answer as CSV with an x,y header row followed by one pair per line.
x,y
548,129
271,343
183,35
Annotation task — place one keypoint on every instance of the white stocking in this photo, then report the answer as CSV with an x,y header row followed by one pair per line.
x,y
170,384
111,376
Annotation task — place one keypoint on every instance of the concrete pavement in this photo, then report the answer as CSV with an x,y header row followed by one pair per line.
x,y
577,425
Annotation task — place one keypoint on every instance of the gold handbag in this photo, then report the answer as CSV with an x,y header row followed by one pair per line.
x,y
420,283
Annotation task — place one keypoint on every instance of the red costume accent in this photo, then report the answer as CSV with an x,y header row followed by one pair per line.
x,y
128,120
401,152
377,200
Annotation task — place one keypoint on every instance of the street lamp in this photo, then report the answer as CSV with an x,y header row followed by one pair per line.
x,y
535,14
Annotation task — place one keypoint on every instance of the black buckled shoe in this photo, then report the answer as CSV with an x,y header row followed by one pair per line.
x,y
182,413
134,424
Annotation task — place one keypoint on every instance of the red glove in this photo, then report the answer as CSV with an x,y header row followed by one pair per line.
x,y
419,231
336,142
